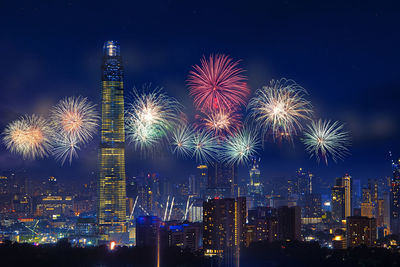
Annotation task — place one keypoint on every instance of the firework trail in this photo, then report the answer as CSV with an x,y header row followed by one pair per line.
x,y
218,84
30,136
280,108
221,122
149,118
76,118
240,147
205,147
324,139
182,138
64,147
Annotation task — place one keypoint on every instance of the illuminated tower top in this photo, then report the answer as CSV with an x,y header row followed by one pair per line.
x,y
111,49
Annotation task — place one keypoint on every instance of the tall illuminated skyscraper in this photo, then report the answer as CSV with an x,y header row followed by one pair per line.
x,y
111,206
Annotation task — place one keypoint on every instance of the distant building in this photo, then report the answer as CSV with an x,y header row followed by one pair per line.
x,y
255,187
186,235
289,223
338,203
395,199
222,181
224,222
361,231
311,209
55,206
346,182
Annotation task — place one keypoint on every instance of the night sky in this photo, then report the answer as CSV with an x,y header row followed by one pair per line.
x,y
346,54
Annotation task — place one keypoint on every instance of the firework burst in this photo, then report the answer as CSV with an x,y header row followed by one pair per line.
x,y
218,84
76,118
149,118
324,139
181,142
205,147
30,136
221,123
280,108
65,147
239,148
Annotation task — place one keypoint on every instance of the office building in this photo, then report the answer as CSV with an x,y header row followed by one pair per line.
x,y
337,203
222,181
346,182
111,210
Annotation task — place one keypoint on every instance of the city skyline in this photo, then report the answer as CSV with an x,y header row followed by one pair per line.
x,y
278,160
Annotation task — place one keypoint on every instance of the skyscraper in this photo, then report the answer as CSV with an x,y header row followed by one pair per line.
x,y
338,200
111,208
222,181
256,187
395,200
346,182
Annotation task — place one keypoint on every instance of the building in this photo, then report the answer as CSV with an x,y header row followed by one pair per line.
x,y
395,199
361,231
111,206
311,211
147,231
289,223
222,181
54,207
185,235
224,222
262,225
346,182
255,187
337,203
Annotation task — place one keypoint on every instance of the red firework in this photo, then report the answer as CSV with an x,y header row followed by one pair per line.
x,y
220,123
218,84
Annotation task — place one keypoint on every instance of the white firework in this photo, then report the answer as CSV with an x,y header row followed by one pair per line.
x,y
240,147
205,147
324,139
182,138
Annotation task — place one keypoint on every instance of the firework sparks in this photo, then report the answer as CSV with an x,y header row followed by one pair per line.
x,y
65,147
280,107
182,141
239,148
149,118
218,84
220,122
205,147
324,139
30,136
75,118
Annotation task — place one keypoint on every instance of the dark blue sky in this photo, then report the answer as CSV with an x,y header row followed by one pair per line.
x,y
346,54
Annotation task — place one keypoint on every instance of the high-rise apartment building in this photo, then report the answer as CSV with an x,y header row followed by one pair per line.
x,y
111,206
224,222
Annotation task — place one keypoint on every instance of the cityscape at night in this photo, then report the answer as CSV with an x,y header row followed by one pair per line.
x,y
214,133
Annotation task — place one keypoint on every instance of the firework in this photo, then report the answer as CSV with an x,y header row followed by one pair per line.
x,y
182,141
75,118
280,108
65,147
220,122
30,136
205,147
324,139
149,118
239,148
218,84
